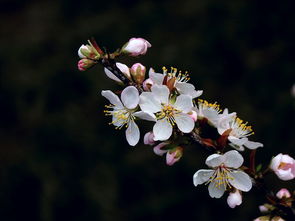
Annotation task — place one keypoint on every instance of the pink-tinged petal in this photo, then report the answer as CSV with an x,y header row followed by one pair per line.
x,y
184,122
161,93
132,133
234,199
193,115
202,176
158,149
240,180
275,162
214,160
162,130
148,103
148,138
145,116
147,84
233,159
253,145
113,98
130,97
216,191
112,76
184,103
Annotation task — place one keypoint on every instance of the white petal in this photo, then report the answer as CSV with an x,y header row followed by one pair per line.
x,y
113,98
117,121
216,191
148,103
111,75
240,181
233,159
184,88
162,130
184,122
202,176
145,116
130,97
132,133
237,141
124,68
161,93
196,94
214,160
156,77
184,103
253,145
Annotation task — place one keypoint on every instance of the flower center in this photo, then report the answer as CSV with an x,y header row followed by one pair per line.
x,y
221,177
178,75
121,116
285,166
203,104
168,112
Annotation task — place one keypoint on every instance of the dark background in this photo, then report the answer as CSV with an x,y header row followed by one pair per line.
x,y
59,158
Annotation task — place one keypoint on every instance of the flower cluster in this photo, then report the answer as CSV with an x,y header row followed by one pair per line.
x,y
179,119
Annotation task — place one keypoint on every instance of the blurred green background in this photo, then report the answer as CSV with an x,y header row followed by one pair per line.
x,y
59,158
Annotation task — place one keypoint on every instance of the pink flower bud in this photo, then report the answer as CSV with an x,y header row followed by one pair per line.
x,y
283,193
138,72
149,139
173,155
147,84
234,199
158,149
136,46
85,64
193,115
284,166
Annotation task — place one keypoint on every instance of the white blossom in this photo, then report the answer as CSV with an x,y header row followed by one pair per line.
x,y
224,175
284,166
167,112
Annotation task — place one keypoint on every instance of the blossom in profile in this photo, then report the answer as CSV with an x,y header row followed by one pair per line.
x,y
167,112
224,174
283,166
124,112
239,132
173,155
136,46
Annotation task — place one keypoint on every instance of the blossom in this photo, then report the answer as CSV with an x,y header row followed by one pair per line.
x,y
283,193
284,166
224,175
239,132
136,46
234,199
123,68
210,111
180,81
167,112
124,112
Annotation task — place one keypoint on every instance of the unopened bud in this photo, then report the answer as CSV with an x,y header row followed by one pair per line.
x,y
88,51
234,199
85,64
136,46
283,193
149,139
138,72
174,155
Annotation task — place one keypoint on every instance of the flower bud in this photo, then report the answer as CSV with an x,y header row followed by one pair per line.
x,y
123,68
234,199
138,72
136,46
174,155
283,193
88,51
263,209
147,84
158,149
284,166
149,139
85,64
